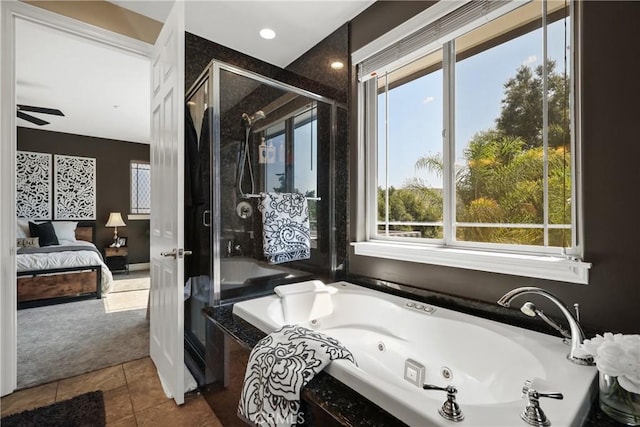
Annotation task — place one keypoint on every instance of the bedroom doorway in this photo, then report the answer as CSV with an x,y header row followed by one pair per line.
x,y
12,13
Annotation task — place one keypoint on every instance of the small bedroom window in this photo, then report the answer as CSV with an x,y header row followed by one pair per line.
x,y
140,190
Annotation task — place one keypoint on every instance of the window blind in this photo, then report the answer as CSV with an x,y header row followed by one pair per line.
x,y
434,34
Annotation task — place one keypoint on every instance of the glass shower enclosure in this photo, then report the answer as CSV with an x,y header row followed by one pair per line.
x,y
247,134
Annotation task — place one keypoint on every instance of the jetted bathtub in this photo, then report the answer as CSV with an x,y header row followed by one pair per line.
x,y
488,362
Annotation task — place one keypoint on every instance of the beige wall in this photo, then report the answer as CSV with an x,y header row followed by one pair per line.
x,y
105,15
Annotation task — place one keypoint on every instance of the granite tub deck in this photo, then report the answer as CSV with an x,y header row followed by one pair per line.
x,y
326,401
340,404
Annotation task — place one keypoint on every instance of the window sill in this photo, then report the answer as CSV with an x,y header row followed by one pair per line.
x,y
538,266
134,217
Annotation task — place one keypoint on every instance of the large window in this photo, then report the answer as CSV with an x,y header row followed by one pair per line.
x,y
471,144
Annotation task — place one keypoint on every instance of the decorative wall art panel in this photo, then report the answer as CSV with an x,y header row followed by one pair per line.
x,y
75,187
33,185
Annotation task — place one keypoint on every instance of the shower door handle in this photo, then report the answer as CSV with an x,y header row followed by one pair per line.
x,y
204,218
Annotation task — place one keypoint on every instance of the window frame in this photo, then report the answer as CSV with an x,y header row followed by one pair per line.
x,y
136,215
523,260
289,127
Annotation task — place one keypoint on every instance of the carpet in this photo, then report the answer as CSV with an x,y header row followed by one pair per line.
x,y
134,281
86,410
64,340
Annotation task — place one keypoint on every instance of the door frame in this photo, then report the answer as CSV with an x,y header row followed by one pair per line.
x,y
10,11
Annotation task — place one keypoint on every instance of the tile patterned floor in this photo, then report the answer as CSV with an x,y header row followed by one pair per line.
x,y
133,397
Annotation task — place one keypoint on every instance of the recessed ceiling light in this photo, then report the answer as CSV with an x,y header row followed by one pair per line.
x,y
267,33
337,65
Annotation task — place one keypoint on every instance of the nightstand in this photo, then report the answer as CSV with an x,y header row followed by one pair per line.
x,y
117,259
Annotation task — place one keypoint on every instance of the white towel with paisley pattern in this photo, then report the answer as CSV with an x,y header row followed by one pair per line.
x,y
279,366
285,220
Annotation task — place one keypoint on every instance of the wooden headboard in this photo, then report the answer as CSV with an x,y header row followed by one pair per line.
x,y
86,230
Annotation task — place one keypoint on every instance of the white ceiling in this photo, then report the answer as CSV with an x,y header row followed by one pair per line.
x,y
299,24
85,79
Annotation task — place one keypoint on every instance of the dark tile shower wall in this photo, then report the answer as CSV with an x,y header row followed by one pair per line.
x,y
315,64
342,193
311,72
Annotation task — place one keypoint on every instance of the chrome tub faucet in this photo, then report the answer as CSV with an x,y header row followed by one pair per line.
x,y
576,354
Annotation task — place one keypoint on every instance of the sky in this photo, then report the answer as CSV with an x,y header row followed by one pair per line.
x,y
415,109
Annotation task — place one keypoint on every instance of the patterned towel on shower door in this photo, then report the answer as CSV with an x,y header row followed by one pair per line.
x,y
285,218
279,366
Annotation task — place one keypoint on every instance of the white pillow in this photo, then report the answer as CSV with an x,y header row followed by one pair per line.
x,y
28,242
65,230
22,229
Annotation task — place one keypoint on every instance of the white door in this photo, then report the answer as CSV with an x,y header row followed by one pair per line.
x,y
167,221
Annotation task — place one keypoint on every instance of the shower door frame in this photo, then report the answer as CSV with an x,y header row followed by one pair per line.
x,y
216,208
194,354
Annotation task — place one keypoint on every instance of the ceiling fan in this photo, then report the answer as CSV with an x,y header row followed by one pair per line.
x,y
28,117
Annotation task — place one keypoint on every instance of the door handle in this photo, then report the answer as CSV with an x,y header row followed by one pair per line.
x,y
204,218
176,253
173,253
182,253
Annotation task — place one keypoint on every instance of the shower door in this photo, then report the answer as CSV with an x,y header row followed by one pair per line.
x,y
268,137
197,223
247,134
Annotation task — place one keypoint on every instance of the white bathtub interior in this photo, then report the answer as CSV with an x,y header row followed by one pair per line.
x,y
488,362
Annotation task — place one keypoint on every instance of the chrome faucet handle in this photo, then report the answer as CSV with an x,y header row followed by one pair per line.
x,y
450,409
533,413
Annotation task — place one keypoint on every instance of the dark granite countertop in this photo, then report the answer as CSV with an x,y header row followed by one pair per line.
x,y
342,402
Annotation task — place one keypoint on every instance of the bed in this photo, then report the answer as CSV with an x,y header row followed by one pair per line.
x,y
69,271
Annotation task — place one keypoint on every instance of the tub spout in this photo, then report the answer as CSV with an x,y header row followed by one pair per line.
x,y
576,355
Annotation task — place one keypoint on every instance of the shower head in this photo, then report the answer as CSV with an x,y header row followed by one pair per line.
x,y
249,120
531,310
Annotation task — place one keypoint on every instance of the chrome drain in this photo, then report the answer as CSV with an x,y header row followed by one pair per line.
x,y
381,346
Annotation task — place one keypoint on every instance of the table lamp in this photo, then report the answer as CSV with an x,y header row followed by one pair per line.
x,y
115,220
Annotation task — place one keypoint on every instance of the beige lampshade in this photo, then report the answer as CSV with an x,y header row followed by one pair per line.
x,y
115,220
